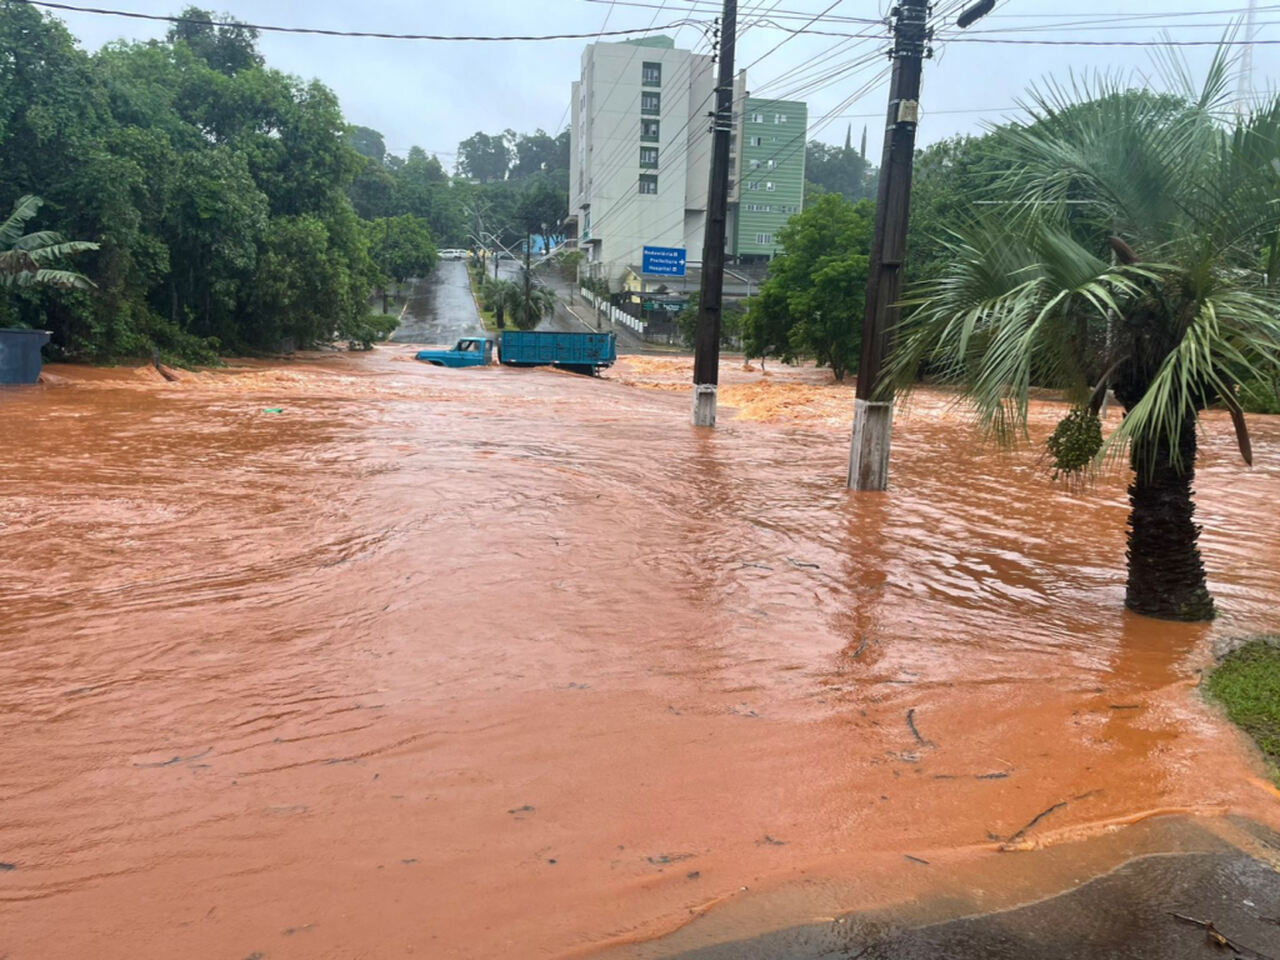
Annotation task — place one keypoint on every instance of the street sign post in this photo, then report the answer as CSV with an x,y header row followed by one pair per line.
x,y
663,261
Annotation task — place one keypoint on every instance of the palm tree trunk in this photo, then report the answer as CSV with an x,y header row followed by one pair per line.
x,y
1166,574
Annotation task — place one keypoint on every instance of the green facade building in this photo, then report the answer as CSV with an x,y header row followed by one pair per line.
x,y
770,173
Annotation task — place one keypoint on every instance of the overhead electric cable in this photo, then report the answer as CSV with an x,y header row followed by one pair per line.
x,y
319,31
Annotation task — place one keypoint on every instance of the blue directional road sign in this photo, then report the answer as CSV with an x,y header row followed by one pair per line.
x,y
663,261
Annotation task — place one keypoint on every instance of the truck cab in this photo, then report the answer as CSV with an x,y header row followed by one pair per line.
x,y
467,352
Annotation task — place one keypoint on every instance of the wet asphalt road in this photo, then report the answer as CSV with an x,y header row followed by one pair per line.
x,y
1152,907
440,308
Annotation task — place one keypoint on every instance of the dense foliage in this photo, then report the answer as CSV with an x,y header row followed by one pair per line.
x,y
841,170
812,302
732,316
215,187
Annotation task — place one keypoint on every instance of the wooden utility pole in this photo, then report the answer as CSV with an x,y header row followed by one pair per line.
x,y
873,408
706,357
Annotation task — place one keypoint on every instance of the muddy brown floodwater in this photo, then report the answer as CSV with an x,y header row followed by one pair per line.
x,y
501,663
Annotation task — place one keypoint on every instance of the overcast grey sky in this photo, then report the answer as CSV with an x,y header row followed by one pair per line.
x,y
434,94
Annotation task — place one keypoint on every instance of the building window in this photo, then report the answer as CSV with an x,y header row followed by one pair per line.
x,y
651,74
753,185
650,102
648,183
757,118
763,238
772,164
649,130
779,118
755,164
757,141
768,184
649,157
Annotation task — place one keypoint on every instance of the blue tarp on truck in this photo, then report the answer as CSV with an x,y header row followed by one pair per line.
x,y
576,351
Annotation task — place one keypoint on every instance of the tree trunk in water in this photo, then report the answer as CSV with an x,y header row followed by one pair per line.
x,y
1166,574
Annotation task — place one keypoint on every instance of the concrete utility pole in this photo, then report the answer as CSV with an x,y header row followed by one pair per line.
x,y
873,408
706,357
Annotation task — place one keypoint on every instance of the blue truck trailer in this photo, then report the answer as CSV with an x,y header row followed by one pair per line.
x,y
580,352
584,352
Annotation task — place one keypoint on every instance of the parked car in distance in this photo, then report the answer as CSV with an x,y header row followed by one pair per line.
x,y
453,254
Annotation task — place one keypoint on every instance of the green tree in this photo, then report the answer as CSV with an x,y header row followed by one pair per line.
x,y
732,319
228,47
401,247
422,188
950,180
373,191
841,170
192,165
485,157
814,294
540,153
1126,253
368,143
541,209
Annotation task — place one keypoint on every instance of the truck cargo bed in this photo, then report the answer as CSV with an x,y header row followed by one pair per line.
x,y
582,351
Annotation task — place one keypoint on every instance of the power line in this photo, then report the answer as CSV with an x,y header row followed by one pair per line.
x,y
318,31
1114,43
696,7
1121,16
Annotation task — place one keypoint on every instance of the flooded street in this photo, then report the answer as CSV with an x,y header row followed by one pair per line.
x,y
514,663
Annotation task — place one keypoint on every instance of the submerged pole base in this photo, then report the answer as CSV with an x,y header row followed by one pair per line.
x,y
704,404
869,452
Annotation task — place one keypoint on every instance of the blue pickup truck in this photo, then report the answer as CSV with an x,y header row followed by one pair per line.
x,y
467,352
581,352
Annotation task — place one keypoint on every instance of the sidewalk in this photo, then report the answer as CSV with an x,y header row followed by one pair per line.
x,y
628,340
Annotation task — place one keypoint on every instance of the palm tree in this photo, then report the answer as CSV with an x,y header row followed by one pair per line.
x,y
1136,246
531,304
29,259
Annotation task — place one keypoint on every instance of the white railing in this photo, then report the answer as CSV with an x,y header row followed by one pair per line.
x,y
613,313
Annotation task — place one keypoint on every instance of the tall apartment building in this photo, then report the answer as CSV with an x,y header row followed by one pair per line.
x,y
769,173
640,151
